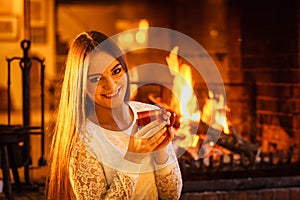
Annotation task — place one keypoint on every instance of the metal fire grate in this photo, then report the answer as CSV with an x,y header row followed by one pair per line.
x,y
245,167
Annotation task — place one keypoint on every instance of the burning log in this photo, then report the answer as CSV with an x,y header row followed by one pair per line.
x,y
230,141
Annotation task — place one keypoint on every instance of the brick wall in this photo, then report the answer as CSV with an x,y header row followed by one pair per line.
x,y
240,94
269,50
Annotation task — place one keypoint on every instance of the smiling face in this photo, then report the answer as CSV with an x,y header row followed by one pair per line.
x,y
106,81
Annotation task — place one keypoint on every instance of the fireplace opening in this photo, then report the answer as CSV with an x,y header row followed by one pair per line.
x,y
219,141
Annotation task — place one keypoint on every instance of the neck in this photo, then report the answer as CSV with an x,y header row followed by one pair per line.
x,y
116,119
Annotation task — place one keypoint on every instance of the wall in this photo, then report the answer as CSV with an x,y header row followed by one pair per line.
x,y
42,36
269,50
10,46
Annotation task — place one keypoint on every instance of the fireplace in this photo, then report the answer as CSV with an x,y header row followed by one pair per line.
x,y
257,154
242,163
233,150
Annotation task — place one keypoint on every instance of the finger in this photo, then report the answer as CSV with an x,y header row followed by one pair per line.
x,y
164,143
168,137
155,124
157,130
151,130
171,132
145,129
166,117
158,137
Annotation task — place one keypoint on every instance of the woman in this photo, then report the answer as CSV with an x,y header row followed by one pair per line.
x,y
98,151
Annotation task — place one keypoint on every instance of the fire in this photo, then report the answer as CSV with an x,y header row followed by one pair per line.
x,y
185,105
183,87
214,112
222,120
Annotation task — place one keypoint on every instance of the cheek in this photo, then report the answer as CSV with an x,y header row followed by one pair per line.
x,y
123,80
91,90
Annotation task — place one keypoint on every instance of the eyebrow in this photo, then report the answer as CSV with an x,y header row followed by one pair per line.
x,y
99,74
117,65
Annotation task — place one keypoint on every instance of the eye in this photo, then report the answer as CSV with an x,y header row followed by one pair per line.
x,y
117,70
95,79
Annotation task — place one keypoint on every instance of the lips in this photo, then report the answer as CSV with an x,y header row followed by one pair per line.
x,y
111,95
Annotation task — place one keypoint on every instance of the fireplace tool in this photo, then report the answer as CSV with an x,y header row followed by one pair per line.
x,y
25,63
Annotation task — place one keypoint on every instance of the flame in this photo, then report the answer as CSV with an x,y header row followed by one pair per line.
x,y
186,102
195,141
215,112
222,120
183,87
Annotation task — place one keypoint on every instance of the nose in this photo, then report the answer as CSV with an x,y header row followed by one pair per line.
x,y
108,83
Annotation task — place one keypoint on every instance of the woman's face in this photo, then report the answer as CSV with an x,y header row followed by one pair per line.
x,y
106,81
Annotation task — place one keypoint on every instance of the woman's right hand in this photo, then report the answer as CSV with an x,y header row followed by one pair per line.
x,y
140,146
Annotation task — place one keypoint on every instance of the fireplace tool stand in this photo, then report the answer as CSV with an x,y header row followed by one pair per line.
x,y
16,138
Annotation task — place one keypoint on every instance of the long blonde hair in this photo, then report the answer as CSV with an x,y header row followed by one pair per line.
x,y
72,110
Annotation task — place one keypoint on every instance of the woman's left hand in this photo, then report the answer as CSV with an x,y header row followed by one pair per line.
x,y
139,147
169,136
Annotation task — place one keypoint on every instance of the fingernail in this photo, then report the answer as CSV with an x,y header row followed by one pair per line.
x,y
165,116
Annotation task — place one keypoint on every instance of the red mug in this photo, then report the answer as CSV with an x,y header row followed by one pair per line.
x,y
145,117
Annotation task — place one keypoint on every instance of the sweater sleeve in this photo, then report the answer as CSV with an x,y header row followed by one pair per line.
x,y
88,179
169,182
168,177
